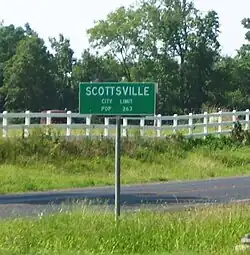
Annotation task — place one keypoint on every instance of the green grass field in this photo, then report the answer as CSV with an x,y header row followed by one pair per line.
x,y
204,231
42,162
100,171
39,163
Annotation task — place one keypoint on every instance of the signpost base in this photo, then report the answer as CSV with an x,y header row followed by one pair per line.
x,y
117,167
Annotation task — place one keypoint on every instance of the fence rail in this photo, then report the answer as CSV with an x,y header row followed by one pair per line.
x,y
198,125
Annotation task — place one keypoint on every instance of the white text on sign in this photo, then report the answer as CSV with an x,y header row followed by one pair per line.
x,y
106,101
106,108
127,108
117,91
126,101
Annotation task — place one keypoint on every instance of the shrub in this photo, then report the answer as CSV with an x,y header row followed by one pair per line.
x,y
48,146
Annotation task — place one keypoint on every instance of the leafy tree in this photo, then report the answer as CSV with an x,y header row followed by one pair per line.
x,y
9,38
166,41
245,48
64,62
116,35
28,77
153,37
238,95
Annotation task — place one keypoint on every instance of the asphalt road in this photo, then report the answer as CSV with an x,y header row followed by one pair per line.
x,y
172,195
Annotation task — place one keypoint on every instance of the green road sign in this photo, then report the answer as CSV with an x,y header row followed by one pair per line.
x,y
117,98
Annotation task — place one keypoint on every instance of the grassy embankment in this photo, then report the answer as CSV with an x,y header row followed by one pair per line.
x,y
42,163
207,231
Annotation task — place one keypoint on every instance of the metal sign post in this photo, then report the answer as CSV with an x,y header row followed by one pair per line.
x,y
117,99
118,167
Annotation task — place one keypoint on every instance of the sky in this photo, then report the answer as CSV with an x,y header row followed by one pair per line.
x,y
72,18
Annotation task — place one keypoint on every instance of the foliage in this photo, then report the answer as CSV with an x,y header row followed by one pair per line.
x,y
240,135
45,161
208,230
166,41
28,77
46,144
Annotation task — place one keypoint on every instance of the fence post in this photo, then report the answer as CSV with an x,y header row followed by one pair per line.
x,y
175,123
106,128
88,123
158,125
27,123
125,127
142,125
48,118
190,123
48,121
219,122
234,118
205,122
5,125
155,120
69,122
247,119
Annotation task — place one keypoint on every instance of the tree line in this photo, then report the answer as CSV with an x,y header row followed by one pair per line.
x,y
166,41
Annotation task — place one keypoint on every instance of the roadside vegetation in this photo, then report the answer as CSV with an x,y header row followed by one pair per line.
x,y
45,161
206,231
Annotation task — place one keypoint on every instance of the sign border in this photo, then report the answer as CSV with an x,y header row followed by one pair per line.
x,y
117,83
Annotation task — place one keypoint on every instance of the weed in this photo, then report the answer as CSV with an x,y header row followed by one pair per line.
x,y
212,230
46,161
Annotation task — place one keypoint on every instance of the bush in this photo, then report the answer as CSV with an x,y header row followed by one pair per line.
x,y
49,147
239,135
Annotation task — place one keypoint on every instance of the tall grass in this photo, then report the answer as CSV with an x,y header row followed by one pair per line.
x,y
206,231
45,161
50,147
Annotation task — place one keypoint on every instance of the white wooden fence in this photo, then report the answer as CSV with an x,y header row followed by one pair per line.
x,y
198,125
